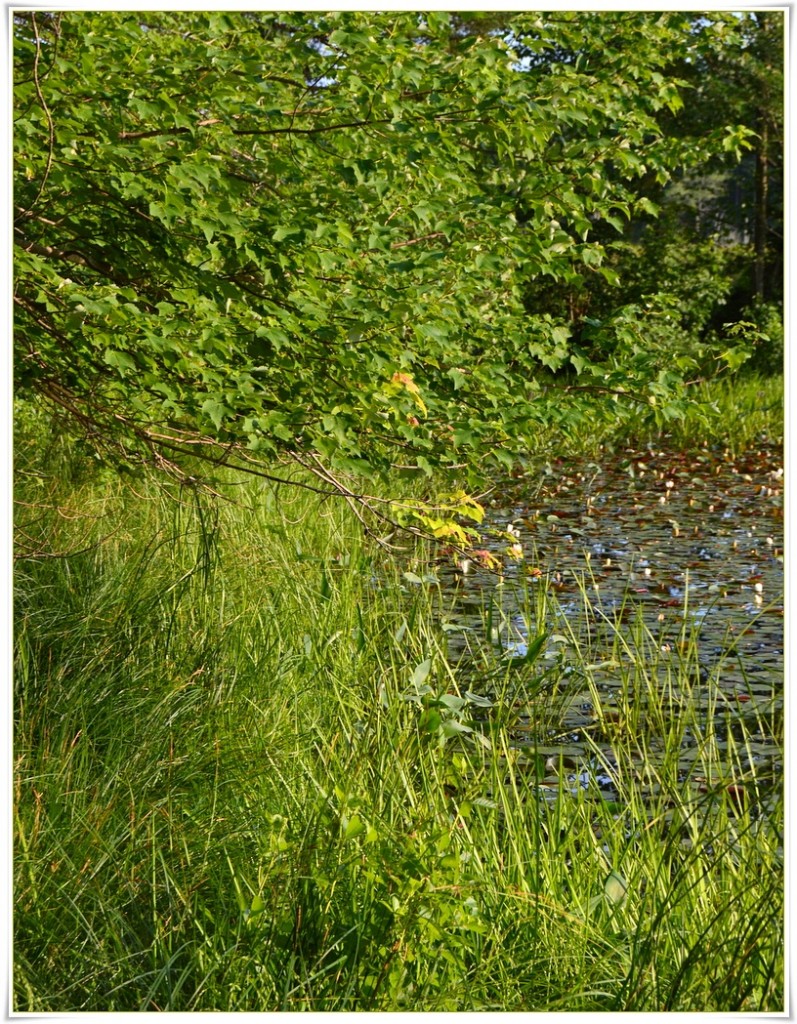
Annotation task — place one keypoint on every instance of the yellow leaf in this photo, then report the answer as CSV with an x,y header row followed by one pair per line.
x,y
405,380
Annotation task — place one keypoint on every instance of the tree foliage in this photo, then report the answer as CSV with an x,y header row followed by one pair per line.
x,y
713,252
262,236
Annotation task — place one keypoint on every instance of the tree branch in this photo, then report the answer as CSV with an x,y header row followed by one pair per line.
x,y
50,124
338,126
421,238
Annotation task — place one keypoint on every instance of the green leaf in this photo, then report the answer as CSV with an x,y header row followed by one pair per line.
x,y
477,701
216,411
120,360
615,887
452,701
287,231
458,377
647,206
430,720
353,827
421,672
451,727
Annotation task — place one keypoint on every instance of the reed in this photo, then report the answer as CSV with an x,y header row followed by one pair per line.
x,y
253,773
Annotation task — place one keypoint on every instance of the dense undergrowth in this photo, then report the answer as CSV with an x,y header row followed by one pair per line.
x,y
249,775
729,411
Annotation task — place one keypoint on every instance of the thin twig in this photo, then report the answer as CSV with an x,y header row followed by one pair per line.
x,y
415,241
38,555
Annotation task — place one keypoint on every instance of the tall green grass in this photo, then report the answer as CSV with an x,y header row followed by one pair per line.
x,y
736,412
745,410
244,780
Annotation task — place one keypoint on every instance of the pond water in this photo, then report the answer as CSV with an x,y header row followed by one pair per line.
x,y
686,545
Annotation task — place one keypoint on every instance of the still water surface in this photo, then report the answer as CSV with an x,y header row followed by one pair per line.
x,y
688,545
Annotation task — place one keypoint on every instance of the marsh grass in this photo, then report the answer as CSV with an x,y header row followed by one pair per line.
x,y
250,775
737,413
745,409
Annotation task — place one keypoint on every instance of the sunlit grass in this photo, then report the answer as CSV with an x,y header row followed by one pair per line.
x,y
244,781
747,409
730,412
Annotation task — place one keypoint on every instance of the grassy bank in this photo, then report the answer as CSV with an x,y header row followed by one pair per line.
x,y
744,410
733,412
249,775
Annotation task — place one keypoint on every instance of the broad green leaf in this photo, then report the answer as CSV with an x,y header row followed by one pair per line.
x,y
421,672
615,887
353,827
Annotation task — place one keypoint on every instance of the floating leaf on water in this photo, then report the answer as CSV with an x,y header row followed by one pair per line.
x,y
410,577
455,627
626,524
